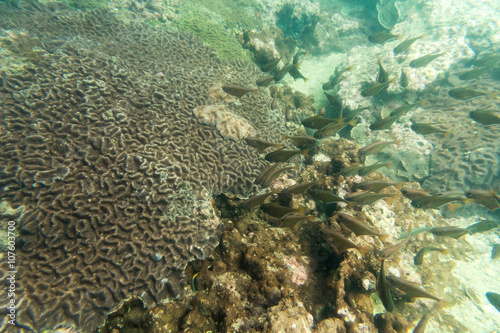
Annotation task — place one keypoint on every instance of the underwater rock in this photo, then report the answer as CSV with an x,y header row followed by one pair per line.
x,y
289,317
298,23
267,45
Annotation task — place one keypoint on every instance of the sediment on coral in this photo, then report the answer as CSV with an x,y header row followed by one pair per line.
x,y
101,147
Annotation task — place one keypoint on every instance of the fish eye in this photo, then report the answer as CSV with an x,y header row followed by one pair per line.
x,y
468,194
404,192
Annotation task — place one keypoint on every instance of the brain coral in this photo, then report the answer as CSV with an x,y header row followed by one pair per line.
x,y
101,147
468,158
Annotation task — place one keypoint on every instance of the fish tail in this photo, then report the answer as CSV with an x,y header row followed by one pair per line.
x,y
305,152
362,250
353,122
383,238
300,210
390,200
493,95
443,304
350,204
399,185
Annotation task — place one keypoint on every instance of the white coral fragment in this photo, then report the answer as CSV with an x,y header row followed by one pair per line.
x,y
229,125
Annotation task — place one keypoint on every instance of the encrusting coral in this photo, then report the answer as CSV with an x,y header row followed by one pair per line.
x,y
101,147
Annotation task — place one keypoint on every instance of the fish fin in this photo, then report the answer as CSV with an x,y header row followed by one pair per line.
x,y
394,79
300,210
453,206
322,110
350,67
446,251
399,185
423,102
409,229
422,36
310,217
399,36
305,152
256,90
278,146
384,113
388,164
305,81
493,95
398,142
284,137
297,65
447,133
275,191
383,238
378,61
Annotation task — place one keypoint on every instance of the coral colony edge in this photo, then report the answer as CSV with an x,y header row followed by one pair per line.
x,y
249,166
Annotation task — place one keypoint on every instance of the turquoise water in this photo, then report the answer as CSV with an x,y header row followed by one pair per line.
x,y
133,133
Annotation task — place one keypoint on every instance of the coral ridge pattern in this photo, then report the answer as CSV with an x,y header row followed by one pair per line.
x,y
102,148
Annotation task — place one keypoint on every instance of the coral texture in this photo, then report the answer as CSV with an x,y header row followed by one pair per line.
x,y
101,147
229,125
468,157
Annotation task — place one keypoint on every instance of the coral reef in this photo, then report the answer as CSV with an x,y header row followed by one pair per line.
x,y
196,20
267,45
101,147
299,24
468,157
